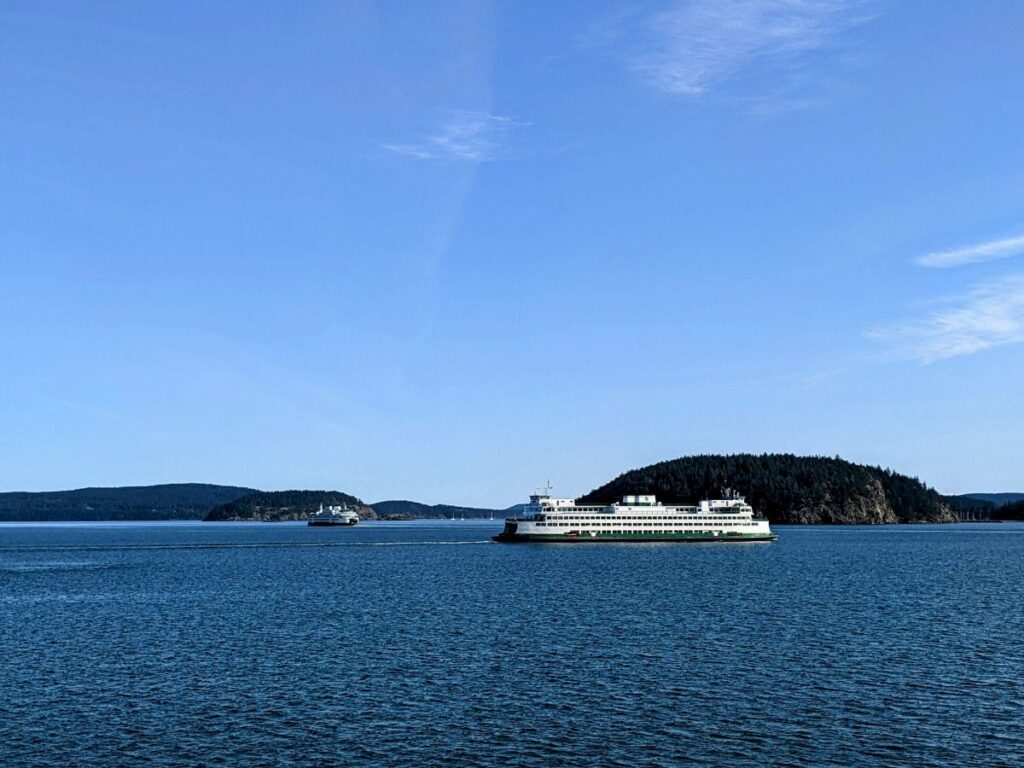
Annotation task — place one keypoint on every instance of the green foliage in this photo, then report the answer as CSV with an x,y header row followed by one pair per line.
x,y
997,499
1014,511
178,501
968,507
785,488
280,505
414,509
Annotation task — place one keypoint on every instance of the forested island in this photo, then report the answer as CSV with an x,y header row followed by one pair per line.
x,y
1013,511
784,487
413,510
276,506
788,489
271,506
177,501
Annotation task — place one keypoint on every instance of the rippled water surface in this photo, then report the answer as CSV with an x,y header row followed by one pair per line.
x,y
426,644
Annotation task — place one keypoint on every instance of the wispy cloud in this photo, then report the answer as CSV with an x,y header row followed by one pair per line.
x,y
990,314
972,254
467,136
689,48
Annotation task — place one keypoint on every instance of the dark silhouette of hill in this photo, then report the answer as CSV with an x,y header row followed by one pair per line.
x,y
787,488
402,508
970,508
997,499
274,506
176,501
1012,511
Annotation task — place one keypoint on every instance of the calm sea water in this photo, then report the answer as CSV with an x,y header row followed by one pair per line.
x,y
426,644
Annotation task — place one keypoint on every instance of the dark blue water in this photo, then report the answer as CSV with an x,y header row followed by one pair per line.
x,y
425,644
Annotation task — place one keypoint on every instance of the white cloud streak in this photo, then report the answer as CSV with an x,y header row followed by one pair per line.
x,y
990,314
973,254
469,137
696,45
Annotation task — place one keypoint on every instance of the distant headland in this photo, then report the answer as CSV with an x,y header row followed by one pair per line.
x,y
788,489
177,501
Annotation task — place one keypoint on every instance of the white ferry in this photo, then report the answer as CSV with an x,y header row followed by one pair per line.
x,y
635,518
342,515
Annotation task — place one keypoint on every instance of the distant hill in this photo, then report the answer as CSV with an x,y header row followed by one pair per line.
x,y
177,501
274,506
787,488
970,508
998,499
1011,511
413,509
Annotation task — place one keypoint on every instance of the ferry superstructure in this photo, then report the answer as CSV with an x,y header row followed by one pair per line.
x,y
335,515
635,518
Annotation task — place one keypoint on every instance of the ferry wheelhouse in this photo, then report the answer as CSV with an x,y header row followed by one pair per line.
x,y
635,518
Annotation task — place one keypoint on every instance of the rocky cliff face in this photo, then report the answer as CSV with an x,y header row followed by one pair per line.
x,y
870,507
867,505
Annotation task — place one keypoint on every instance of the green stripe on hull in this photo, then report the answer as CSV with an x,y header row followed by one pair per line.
x,y
683,537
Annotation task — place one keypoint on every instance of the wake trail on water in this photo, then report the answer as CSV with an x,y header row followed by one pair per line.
x,y
255,545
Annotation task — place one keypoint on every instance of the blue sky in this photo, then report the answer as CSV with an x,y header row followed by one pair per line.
x,y
447,251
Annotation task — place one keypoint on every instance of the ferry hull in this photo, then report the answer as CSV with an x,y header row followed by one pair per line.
x,y
638,518
561,538
325,524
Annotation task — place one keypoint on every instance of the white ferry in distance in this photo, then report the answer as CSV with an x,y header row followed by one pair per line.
x,y
635,518
342,515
